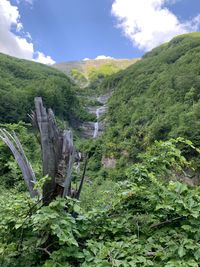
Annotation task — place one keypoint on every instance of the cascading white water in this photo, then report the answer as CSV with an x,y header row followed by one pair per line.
x,y
99,112
96,124
94,129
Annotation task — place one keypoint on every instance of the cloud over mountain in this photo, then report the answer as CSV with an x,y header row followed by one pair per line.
x,y
103,57
148,23
99,57
13,40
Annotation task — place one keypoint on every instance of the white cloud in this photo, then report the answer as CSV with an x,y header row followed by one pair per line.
x,y
148,23
103,57
98,57
17,44
44,59
195,23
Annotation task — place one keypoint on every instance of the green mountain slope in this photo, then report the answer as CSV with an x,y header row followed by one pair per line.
x,y
156,98
94,70
127,216
22,80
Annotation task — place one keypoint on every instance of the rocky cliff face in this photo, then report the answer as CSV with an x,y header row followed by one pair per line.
x,y
94,129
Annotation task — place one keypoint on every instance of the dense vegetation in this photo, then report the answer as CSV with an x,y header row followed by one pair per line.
x,y
156,99
22,80
147,222
137,213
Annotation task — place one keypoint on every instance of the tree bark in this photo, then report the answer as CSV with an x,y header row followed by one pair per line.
x,y
58,155
57,152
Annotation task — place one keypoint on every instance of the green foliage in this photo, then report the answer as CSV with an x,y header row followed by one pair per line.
x,y
132,215
104,191
30,226
147,222
22,80
155,99
40,183
10,174
92,72
78,77
97,75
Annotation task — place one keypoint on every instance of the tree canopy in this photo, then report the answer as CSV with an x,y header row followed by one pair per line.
x,y
157,98
22,80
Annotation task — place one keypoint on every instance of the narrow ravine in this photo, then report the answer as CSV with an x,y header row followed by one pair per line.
x,y
94,129
99,111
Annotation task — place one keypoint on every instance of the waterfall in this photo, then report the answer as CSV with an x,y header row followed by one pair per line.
x,y
99,112
93,129
96,124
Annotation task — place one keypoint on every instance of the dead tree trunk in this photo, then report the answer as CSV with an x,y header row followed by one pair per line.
x,y
57,152
58,155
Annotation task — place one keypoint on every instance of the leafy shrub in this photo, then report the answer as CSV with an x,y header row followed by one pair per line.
x,y
150,222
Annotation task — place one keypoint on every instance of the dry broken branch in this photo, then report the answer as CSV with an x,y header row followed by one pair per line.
x,y
15,146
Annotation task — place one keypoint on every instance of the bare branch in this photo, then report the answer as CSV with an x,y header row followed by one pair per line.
x,y
15,146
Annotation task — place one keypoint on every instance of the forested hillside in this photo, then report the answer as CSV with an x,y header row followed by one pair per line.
x,y
156,99
139,204
22,80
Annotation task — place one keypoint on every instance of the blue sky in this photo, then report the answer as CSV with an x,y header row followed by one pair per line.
x,y
64,30
75,29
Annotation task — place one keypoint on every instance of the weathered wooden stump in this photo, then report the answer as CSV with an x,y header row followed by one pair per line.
x,y
58,154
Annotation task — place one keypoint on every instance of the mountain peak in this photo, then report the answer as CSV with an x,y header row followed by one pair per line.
x,y
87,70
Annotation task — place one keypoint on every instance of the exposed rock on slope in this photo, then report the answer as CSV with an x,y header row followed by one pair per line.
x,y
86,71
